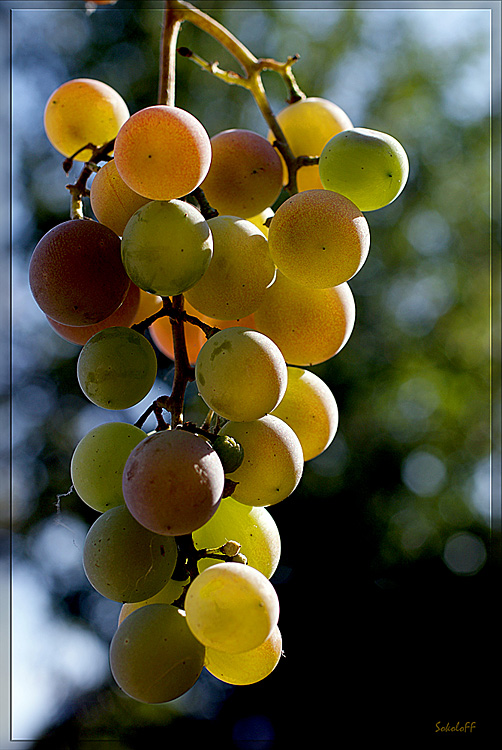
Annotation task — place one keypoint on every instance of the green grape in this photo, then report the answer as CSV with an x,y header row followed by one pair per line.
x,y
173,482
319,238
273,460
308,325
76,274
245,176
310,409
308,125
230,452
231,607
116,368
253,528
162,152
240,374
249,667
124,561
154,657
167,595
98,462
239,272
112,201
83,111
368,167
166,247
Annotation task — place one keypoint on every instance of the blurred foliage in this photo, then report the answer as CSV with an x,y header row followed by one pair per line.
x,y
365,534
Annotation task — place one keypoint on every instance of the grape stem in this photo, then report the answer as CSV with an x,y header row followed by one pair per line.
x,y
253,68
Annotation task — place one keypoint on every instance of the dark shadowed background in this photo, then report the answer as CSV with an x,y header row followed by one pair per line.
x,y
389,581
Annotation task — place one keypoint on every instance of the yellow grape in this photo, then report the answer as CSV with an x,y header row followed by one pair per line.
x,y
310,409
166,247
154,657
319,238
239,272
308,125
112,201
173,482
308,325
253,528
273,460
162,152
249,667
245,175
83,111
231,607
240,374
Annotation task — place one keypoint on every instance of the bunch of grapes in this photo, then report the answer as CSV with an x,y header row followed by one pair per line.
x,y
184,241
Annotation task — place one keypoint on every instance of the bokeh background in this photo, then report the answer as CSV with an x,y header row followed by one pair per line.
x,y
390,572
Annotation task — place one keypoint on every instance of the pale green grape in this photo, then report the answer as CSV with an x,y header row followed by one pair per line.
x,y
253,528
98,462
117,368
154,657
273,460
319,239
166,247
368,167
123,560
239,272
231,607
241,374
309,407
249,667
173,482
167,595
308,325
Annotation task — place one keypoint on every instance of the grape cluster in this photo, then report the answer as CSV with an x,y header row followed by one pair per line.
x,y
183,538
